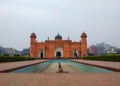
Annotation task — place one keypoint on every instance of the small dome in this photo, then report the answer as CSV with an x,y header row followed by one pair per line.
x,y
83,34
33,35
58,36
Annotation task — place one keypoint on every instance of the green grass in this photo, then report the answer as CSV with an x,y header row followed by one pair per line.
x,y
109,57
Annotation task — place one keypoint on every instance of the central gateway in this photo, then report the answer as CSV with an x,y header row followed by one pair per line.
x,y
58,52
58,47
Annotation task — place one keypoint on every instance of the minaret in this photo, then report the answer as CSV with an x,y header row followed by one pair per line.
x,y
32,44
84,44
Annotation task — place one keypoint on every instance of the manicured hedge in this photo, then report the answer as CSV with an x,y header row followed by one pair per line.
x,y
113,57
13,59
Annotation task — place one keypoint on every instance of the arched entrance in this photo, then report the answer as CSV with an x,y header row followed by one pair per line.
x,y
41,54
75,54
58,52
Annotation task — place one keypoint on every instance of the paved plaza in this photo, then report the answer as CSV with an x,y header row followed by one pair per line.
x,y
5,67
51,78
60,79
104,64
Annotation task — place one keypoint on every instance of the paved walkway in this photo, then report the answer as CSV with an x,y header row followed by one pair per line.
x,y
61,79
6,67
115,66
53,68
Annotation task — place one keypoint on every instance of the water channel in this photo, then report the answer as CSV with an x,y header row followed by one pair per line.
x,y
68,66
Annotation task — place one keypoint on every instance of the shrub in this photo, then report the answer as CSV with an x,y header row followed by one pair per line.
x,y
110,57
6,55
13,59
16,55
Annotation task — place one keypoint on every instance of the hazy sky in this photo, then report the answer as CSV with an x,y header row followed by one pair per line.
x,y
100,19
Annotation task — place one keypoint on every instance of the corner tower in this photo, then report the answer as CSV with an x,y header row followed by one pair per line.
x,y
84,44
32,44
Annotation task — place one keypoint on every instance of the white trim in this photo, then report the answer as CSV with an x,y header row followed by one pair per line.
x,y
58,49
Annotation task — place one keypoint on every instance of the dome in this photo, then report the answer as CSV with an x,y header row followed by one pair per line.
x,y
83,34
33,35
58,36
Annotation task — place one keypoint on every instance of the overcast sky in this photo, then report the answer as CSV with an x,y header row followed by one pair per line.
x,y
100,19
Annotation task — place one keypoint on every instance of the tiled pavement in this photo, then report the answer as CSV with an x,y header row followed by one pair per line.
x,y
58,79
104,64
53,68
61,79
15,65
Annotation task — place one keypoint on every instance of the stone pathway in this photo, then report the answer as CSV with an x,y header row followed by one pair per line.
x,y
6,67
115,66
53,68
60,79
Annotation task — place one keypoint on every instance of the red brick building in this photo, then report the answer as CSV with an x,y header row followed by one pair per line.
x,y
58,47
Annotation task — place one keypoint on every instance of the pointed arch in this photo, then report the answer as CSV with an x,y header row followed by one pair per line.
x,y
58,51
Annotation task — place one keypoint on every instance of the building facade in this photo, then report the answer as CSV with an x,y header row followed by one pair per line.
x,y
58,47
92,50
